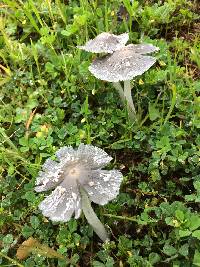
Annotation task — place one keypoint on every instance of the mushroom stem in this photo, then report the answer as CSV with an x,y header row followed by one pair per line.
x,y
129,100
119,89
91,216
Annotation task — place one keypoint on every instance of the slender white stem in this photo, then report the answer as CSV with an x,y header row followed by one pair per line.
x,y
119,89
129,100
91,216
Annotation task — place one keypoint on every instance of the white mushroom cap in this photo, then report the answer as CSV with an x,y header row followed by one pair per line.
x,y
124,64
105,43
75,168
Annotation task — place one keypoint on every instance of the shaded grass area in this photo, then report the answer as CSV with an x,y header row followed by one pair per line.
x,y
49,99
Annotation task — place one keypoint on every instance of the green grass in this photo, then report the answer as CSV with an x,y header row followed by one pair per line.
x,y
49,99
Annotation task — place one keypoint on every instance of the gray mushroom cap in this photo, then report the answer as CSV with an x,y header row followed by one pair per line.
x,y
124,64
105,43
75,168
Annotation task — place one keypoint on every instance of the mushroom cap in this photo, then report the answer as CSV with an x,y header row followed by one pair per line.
x,y
75,168
105,43
124,64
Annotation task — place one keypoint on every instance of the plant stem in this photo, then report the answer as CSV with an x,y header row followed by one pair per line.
x,y
11,260
173,102
129,100
120,90
106,14
91,217
121,217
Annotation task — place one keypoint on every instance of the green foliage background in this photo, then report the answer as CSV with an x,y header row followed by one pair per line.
x,y
49,99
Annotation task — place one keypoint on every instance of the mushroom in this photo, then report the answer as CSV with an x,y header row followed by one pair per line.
x,y
105,43
78,179
123,65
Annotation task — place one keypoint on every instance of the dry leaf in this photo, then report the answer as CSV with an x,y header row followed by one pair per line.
x,y
25,248
31,245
